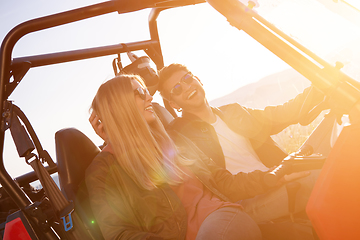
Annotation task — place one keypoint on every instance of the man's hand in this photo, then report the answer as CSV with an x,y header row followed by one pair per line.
x,y
98,126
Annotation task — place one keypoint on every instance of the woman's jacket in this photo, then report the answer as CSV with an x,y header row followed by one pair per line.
x,y
125,211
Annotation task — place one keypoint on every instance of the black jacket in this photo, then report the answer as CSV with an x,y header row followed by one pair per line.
x,y
255,124
125,211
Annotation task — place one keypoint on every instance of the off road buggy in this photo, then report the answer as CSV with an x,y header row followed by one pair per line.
x,y
53,213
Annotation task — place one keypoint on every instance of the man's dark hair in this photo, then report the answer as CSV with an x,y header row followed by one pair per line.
x,y
165,73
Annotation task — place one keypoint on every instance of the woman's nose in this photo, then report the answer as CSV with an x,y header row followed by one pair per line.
x,y
149,97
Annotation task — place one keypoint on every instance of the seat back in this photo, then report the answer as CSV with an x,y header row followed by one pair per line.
x,y
333,206
74,153
163,114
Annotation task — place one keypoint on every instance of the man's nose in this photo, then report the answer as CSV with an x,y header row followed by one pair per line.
x,y
185,86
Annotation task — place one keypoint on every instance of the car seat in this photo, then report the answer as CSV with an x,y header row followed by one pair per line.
x,y
163,114
74,153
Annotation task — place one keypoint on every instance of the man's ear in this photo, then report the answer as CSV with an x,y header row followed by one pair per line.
x,y
198,80
174,105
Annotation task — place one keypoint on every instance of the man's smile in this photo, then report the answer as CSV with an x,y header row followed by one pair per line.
x,y
192,94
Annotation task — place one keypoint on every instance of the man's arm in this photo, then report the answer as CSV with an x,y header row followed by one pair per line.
x,y
273,119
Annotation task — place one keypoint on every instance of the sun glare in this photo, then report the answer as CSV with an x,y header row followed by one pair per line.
x,y
353,3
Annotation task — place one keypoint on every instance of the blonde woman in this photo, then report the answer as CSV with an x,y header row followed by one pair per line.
x,y
143,186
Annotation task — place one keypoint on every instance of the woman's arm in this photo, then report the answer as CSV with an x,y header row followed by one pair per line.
x,y
234,187
239,186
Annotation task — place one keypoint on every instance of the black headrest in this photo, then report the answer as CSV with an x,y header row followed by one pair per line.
x,y
141,66
74,153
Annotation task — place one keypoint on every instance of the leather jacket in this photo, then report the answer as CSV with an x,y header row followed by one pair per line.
x,y
124,211
255,124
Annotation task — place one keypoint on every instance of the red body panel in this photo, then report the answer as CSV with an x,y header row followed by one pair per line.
x,y
15,230
334,205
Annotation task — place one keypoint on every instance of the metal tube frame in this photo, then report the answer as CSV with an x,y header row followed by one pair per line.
x,y
9,68
326,77
335,84
18,67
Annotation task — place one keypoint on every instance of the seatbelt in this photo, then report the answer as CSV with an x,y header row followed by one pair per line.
x,y
73,227
64,209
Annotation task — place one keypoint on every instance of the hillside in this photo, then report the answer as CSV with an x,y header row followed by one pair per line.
x,y
274,90
271,90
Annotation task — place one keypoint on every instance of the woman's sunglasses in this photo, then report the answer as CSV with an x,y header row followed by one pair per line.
x,y
177,89
141,92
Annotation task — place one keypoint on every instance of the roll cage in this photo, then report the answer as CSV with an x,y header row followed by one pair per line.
x,y
13,70
342,89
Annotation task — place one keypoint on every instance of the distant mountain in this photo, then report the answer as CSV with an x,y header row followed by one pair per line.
x,y
272,90
282,86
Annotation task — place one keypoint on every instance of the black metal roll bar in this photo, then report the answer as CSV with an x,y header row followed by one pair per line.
x,y
327,78
18,67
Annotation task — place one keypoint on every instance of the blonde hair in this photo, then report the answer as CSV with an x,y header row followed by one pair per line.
x,y
145,151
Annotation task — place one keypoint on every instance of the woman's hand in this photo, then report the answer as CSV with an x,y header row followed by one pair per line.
x,y
97,125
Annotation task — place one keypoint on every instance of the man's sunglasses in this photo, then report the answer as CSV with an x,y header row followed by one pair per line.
x,y
141,92
177,89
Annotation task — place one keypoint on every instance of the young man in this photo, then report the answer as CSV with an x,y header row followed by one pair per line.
x,y
238,138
